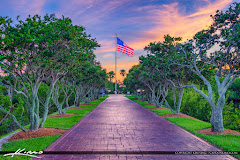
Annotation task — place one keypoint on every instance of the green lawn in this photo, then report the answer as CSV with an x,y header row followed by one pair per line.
x,y
147,106
224,142
67,122
39,144
190,124
33,144
162,112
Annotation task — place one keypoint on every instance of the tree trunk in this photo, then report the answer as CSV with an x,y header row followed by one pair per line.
x,y
217,120
66,100
92,96
135,94
161,102
142,99
174,98
33,117
85,99
180,95
77,100
46,104
217,116
149,98
168,106
60,107
153,96
67,106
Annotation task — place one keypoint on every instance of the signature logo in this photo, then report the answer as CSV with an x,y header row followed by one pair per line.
x,y
24,153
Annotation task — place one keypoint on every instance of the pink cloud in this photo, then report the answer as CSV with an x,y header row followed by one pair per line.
x,y
169,20
108,55
28,6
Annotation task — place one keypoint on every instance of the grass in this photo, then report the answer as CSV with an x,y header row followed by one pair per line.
x,y
67,122
147,106
40,143
96,102
224,142
33,144
162,112
190,124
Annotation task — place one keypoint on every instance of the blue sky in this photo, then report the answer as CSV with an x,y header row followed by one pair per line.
x,y
136,22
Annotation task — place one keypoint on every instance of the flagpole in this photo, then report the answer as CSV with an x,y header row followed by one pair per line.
x,y
116,65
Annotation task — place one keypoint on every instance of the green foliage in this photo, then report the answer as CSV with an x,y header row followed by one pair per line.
x,y
123,72
42,94
111,75
231,116
235,92
110,85
18,110
193,104
133,81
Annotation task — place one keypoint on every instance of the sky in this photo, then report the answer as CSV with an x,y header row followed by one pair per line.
x,y
136,22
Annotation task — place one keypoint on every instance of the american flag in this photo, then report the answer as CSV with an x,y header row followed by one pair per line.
x,y
122,47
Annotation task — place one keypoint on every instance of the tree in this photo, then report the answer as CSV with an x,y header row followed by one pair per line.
x,y
224,34
123,72
133,80
151,79
63,88
7,101
38,50
172,76
87,79
111,75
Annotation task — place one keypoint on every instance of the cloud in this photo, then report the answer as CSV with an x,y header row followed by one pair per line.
x,y
89,12
28,6
108,55
75,8
165,19
104,50
106,46
169,20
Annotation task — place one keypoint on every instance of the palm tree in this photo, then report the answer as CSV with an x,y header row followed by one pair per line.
x,y
111,75
123,72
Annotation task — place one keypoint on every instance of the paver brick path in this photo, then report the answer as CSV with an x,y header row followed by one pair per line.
x,y
119,124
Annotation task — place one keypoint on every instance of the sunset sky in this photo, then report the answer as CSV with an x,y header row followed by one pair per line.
x,y
136,22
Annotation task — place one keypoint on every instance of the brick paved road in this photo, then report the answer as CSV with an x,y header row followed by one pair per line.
x,y
119,124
